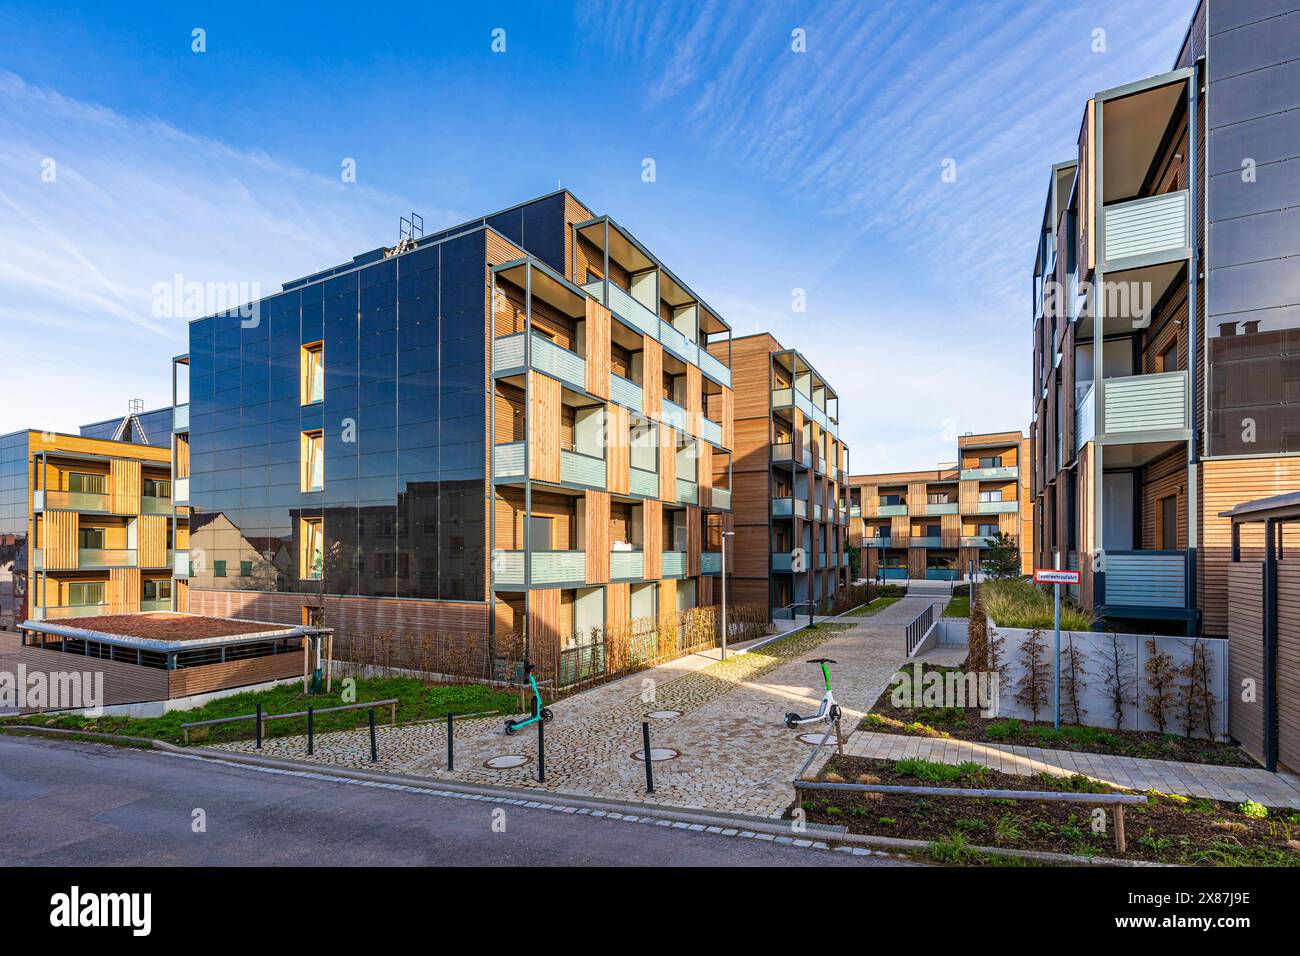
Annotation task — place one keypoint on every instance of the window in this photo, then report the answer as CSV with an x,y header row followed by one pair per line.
x,y
988,530
991,495
83,484
938,498
218,569
540,533
1169,523
86,593
158,590
932,531
892,500
156,488
245,569
313,461
993,461
90,539
311,559
1169,358
312,360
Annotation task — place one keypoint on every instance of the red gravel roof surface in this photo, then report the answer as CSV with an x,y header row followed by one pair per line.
x,y
169,626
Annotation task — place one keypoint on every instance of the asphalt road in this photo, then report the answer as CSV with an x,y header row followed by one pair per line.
x,y
76,804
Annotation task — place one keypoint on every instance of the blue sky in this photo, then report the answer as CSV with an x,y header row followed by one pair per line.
x,y
775,171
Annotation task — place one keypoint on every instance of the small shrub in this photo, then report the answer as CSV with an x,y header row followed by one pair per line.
x,y
1252,809
927,771
1003,729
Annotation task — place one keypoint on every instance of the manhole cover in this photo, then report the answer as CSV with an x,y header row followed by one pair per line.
x,y
815,739
506,762
663,714
656,754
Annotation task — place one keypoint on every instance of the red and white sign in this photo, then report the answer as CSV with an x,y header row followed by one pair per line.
x,y
1055,576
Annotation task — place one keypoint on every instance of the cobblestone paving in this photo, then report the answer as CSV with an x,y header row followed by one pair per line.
x,y
734,754
1232,784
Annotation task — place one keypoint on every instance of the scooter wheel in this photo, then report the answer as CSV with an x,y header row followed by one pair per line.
x,y
510,728
547,716
792,720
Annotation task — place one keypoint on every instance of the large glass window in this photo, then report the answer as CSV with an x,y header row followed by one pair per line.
x,y
85,593
84,484
313,461
312,371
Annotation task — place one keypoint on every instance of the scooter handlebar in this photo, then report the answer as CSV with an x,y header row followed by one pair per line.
x,y
821,660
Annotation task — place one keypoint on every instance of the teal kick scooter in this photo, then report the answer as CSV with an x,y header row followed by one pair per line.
x,y
828,712
539,712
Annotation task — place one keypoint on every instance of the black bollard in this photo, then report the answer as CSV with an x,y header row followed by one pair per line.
x,y
259,726
541,751
310,732
374,744
645,753
451,750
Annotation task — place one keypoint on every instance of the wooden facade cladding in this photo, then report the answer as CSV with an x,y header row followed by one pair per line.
x,y
950,529
181,589
618,451
187,681
652,360
667,600
653,538
916,497
59,540
694,400
597,333
543,428
124,485
618,603
545,628
123,590
596,536
123,683
152,539
1245,627
728,420
667,463
182,456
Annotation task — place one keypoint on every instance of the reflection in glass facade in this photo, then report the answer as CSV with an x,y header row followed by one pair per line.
x,y
13,529
402,511
1253,286
156,424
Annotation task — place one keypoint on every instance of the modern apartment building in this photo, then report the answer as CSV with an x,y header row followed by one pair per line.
x,y
520,424
789,479
1166,368
937,524
85,527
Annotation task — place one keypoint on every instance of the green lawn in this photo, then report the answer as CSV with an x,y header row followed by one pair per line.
x,y
959,606
875,607
417,701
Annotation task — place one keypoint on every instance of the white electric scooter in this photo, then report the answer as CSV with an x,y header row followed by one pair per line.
x,y
828,712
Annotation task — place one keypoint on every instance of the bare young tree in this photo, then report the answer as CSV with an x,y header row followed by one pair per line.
x,y
1160,676
977,657
1196,701
1074,673
1118,677
1036,675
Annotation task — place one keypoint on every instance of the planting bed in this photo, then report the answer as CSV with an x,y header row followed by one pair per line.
x,y
1169,829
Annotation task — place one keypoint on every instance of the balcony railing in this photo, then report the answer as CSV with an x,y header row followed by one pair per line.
x,y
710,431
721,498
577,468
941,508
1149,579
783,451
625,392
548,567
1146,227
181,418
508,460
626,565
1145,403
674,415
710,562
926,541
782,561
160,604
782,397
855,511
990,474
60,611
713,368
155,506
569,367
70,501
106,558
890,511
644,483
678,344
997,507
817,512
976,541
688,492
782,507
672,564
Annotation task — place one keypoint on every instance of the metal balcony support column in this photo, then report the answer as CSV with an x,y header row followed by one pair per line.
x,y
1272,533
1193,277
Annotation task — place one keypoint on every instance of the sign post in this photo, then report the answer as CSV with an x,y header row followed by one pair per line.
x,y
1056,577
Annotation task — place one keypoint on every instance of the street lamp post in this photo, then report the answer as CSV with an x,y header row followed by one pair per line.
x,y
725,536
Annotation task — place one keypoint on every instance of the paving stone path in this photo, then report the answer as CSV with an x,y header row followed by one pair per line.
x,y
1232,784
733,752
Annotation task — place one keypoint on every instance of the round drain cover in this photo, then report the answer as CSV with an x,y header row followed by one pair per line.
x,y
663,714
815,739
656,754
506,762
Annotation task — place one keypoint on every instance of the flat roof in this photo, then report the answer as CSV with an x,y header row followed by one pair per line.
x,y
164,631
1285,506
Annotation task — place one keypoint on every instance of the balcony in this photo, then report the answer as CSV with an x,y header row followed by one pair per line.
x,y
181,418
782,507
782,561
710,562
710,431
61,611
1151,229
1007,472
625,392
677,344
155,506
547,567
891,511
976,541
1084,417
70,501
877,542
643,483
925,541
688,492
674,415
844,559
106,558
782,397
806,458
569,367
817,512
997,507
672,564
721,499
714,369
161,604
168,560
577,468
181,564
508,460
855,511
626,565
782,452
1146,579
1140,404
821,559
941,508
181,491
